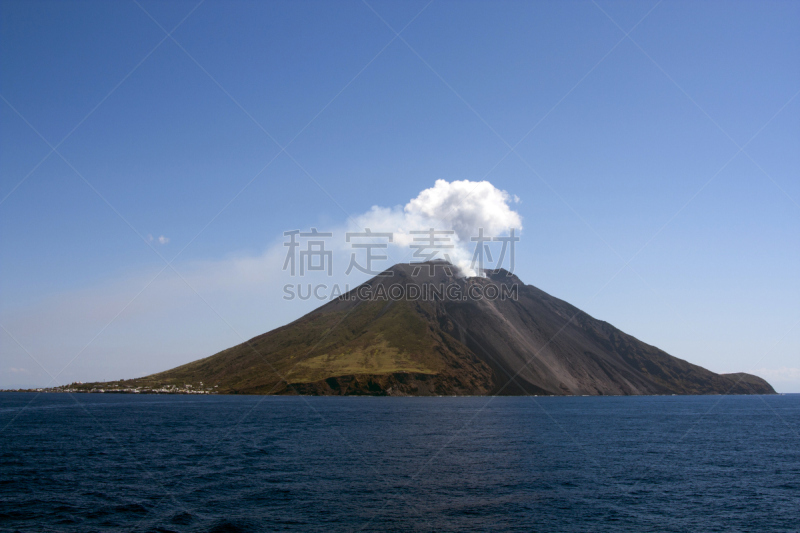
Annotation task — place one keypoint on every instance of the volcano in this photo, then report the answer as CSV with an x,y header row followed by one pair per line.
x,y
420,329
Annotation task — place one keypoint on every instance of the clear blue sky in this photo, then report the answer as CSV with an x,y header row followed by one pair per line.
x,y
658,173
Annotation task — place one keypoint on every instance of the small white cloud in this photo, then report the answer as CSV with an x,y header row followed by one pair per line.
x,y
163,240
149,238
15,370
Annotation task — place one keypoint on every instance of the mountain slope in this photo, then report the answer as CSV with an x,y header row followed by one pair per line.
x,y
534,344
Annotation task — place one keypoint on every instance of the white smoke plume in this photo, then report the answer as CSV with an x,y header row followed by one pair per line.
x,y
461,206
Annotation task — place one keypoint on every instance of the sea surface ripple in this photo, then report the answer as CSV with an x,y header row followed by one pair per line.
x,y
246,463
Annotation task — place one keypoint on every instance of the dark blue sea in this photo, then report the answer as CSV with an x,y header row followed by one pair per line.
x,y
226,463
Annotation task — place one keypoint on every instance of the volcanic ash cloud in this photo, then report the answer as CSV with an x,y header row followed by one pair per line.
x,y
464,207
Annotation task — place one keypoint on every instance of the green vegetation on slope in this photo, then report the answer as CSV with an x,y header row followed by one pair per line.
x,y
375,338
